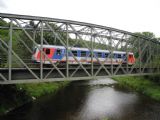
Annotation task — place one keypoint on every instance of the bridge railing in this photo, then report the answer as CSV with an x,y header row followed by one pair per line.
x,y
19,35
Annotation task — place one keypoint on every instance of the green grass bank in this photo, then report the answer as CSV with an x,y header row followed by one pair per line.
x,y
147,85
12,96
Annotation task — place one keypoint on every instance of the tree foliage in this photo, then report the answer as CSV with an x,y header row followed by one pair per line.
x,y
137,44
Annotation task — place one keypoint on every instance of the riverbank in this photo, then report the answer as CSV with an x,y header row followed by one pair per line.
x,y
12,96
147,85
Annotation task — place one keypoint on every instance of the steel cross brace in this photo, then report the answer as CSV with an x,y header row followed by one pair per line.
x,y
39,48
67,48
138,58
88,48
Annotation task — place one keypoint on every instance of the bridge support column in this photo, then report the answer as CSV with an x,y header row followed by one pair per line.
x,y
158,58
140,55
150,55
111,49
92,53
41,55
67,45
10,51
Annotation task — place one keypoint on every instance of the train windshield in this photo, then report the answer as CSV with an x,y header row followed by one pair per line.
x,y
34,51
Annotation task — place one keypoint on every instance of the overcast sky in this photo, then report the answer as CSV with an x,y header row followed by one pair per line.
x,y
129,15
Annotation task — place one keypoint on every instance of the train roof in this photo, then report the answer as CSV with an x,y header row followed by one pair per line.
x,y
83,49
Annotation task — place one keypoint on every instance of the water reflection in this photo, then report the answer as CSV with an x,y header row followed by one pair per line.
x,y
102,81
106,102
89,100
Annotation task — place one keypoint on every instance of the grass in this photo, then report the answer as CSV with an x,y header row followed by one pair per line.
x,y
2,109
140,84
40,89
13,96
105,119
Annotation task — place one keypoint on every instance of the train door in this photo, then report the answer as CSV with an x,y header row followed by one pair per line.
x,y
83,57
48,54
58,54
124,57
131,59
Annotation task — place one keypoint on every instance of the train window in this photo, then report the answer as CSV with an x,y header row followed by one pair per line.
x,y
47,51
58,52
99,54
74,53
34,51
106,55
89,54
124,57
69,53
83,53
130,56
114,55
119,55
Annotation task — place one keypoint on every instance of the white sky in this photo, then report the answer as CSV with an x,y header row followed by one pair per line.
x,y
129,15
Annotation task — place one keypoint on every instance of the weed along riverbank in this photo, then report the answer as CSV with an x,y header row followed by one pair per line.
x,y
12,96
147,85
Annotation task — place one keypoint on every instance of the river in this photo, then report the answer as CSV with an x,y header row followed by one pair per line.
x,y
99,99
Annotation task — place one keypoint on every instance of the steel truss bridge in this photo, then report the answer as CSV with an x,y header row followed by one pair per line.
x,y
23,32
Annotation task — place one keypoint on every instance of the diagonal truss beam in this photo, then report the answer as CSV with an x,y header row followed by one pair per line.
x,y
4,79
39,48
69,49
88,48
20,59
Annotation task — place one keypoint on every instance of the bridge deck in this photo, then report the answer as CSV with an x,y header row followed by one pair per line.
x,y
22,75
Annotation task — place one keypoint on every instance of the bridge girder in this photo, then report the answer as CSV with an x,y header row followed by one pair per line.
x,y
69,34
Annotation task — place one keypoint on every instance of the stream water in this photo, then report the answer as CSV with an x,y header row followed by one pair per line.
x,y
99,99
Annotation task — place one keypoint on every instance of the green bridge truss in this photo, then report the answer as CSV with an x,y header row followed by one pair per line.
x,y
20,33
